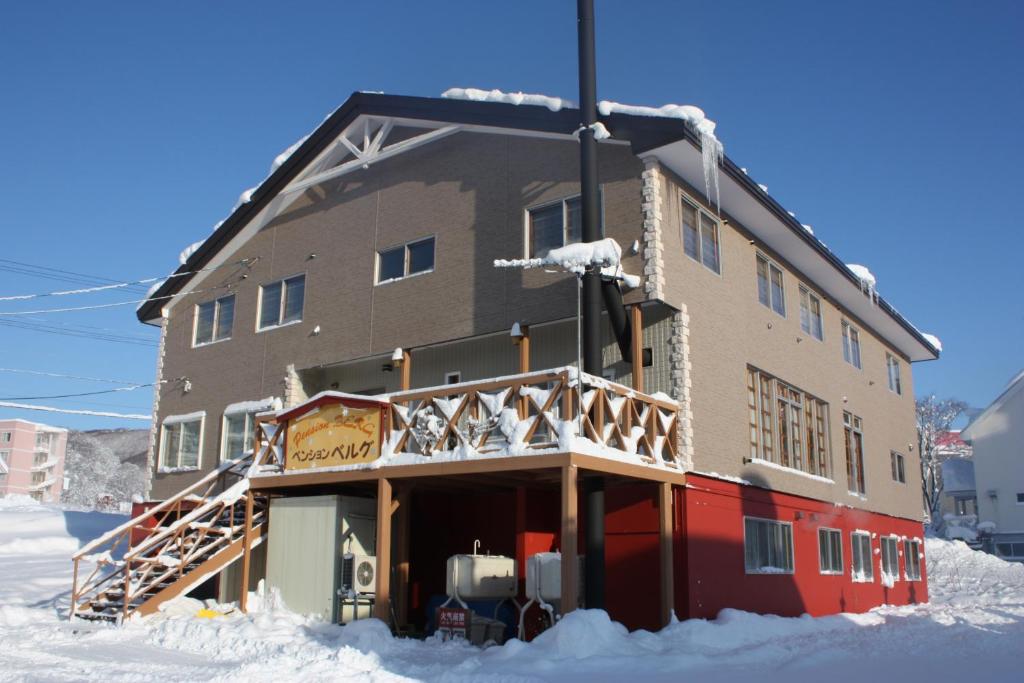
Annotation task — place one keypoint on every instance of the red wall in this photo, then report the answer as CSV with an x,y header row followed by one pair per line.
x,y
711,512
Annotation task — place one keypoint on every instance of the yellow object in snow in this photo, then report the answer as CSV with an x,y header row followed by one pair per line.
x,y
208,613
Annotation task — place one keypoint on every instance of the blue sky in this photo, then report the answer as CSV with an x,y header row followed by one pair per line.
x,y
128,130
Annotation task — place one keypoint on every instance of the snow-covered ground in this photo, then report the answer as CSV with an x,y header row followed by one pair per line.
x,y
972,630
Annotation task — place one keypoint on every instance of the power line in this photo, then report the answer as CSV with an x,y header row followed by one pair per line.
x,y
81,334
111,305
62,376
87,393
71,411
48,273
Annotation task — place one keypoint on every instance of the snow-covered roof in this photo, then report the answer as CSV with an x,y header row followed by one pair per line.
x,y
691,150
957,475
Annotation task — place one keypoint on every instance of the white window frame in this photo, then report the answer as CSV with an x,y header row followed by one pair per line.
x,y
897,460
822,570
6,437
769,265
892,370
807,294
912,545
792,547
216,321
701,213
405,261
564,201
895,540
848,330
854,556
454,374
249,422
176,421
284,296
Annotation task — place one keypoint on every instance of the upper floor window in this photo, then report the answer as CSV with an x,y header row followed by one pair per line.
x,y
810,314
554,225
5,437
43,441
700,237
893,366
769,285
214,320
853,437
851,345
405,260
281,302
5,459
767,546
180,441
898,467
788,427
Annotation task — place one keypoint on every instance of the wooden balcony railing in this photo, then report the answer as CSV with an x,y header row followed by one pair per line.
x,y
516,415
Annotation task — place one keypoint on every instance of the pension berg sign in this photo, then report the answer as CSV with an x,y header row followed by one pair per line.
x,y
334,434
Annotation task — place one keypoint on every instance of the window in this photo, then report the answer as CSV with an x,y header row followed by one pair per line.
x,y
214,320
40,459
854,441
830,551
237,434
5,460
5,437
452,377
1020,499
769,285
898,472
966,505
890,559
281,302
38,477
180,442
554,225
767,546
700,237
912,559
405,260
43,440
893,367
863,570
788,427
1010,551
851,345
810,314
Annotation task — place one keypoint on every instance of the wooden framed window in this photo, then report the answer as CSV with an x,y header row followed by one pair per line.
x,y
788,426
898,467
810,314
854,440
181,441
830,551
554,225
214,320
851,345
281,302
700,237
770,290
892,365
767,546
862,569
912,559
890,559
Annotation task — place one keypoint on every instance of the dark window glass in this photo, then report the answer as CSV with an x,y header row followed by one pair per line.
x,y
690,236
294,295
421,256
574,221
546,229
204,322
763,292
225,317
270,305
391,264
709,242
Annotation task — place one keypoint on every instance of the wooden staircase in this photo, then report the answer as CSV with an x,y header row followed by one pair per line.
x,y
171,548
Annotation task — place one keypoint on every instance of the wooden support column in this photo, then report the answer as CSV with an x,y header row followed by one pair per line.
x,y
246,552
402,539
637,346
570,531
406,371
382,599
524,366
665,537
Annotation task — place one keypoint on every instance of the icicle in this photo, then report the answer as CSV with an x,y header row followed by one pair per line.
x,y
712,153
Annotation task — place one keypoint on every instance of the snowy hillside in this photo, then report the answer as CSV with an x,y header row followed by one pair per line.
x,y
105,462
973,629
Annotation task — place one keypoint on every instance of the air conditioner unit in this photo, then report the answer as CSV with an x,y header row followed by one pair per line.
x,y
359,573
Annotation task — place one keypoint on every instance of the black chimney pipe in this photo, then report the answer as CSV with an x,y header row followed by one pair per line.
x,y
592,231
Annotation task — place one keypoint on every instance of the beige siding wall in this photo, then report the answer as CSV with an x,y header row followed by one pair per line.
x,y
730,329
470,191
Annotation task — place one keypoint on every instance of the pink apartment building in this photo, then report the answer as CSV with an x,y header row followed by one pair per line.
x,y
32,459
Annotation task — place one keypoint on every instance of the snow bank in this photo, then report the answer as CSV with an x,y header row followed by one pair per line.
x,y
518,98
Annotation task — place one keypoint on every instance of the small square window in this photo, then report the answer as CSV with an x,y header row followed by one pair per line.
x,y
391,264
554,225
421,256
408,259
214,320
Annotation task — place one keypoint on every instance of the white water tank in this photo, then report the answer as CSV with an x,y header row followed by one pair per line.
x,y
481,577
544,577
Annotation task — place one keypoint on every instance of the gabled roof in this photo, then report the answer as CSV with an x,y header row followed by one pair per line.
x,y
669,139
1014,387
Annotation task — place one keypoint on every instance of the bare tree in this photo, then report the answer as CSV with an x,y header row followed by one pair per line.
x,y
934,417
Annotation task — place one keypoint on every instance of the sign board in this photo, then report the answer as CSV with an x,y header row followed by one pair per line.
x,y
453,622
334,434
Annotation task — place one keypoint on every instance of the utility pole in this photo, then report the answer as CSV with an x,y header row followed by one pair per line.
x,y
592,231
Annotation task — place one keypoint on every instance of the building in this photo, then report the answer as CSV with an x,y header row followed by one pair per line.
x,y
959,494
755,434
997,437
32,459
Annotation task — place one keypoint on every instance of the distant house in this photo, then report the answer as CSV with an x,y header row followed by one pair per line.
x,y
959,496
32,459
952,445
997,436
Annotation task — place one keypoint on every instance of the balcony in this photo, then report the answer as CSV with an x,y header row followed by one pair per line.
x,y
45,484
44,466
